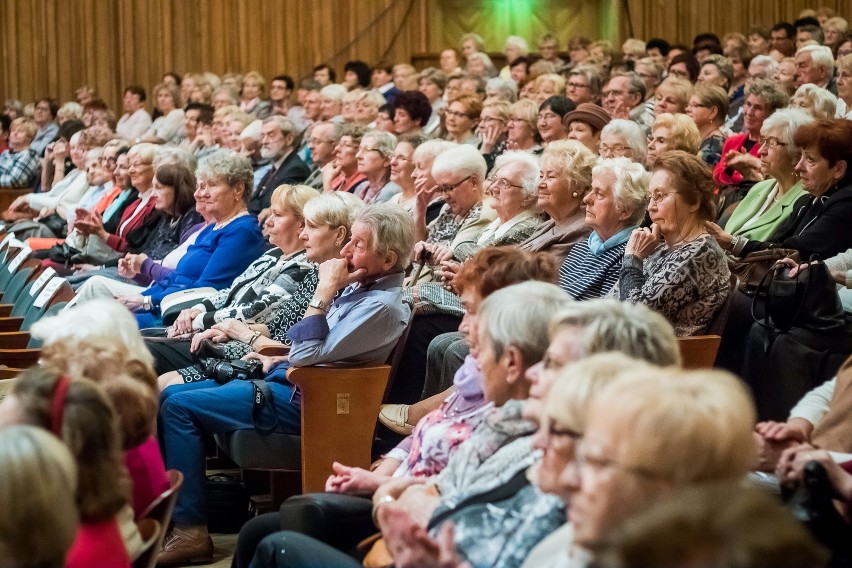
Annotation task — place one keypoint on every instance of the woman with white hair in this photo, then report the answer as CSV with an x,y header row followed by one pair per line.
x,y
514,48
623,139
672,132
614,207
817,102
769,202
428,203
844,84
480,64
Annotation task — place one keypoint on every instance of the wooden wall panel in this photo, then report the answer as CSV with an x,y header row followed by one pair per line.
x,y
54,46
681,20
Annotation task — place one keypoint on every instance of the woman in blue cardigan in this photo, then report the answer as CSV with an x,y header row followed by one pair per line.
x,y
222,251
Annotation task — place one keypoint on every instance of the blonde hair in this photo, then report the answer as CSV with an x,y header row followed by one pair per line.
x,y
294,197
680,88
336,209
684,133
817,102
571,159
257,77
557,81
38,481
681,426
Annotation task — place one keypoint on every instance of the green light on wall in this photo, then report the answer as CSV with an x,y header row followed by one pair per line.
x,y
515,10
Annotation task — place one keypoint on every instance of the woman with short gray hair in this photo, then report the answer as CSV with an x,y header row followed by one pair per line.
x,y
374,157
614,207
623,139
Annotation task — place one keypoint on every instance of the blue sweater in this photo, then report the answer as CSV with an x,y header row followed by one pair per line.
x,y
216,258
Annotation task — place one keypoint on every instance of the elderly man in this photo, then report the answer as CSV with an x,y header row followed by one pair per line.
x,y
815,64
355,317
450,62
322,141
19,165
624,97
278,136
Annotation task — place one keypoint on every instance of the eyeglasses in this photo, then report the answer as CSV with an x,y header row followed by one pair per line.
x,y
503,183
456,114
491,119
105,160
448,187
362,149
400,158
349,145
139,164
659,197
615,93
598,464
319,141
571,85
615,149
770,142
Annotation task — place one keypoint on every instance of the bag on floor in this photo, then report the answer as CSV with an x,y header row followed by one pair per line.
x,y
228,505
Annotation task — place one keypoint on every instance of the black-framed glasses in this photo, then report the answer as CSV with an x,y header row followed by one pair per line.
x,y
448,187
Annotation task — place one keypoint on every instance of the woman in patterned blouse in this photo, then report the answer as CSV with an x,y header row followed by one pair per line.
x,y
674,266
328,220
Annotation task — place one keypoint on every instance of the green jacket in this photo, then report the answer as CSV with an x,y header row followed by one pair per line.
x,y
769,220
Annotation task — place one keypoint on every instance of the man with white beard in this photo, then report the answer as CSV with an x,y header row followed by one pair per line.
x,y
278,137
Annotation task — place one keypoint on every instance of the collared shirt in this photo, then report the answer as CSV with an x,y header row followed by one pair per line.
x,y
361,327
44,136
19,169
132,126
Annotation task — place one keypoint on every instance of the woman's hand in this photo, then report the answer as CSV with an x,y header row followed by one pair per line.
x,y
94,225
214,335
60,150
791,469
796,430
489,134
643,241
440,253
724,239
746,164
447,272
132,302
81,268
410,544
131,264
268,362
235,329
353,480
183,323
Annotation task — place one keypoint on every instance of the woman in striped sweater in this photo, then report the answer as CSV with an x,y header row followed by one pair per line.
x,y
614,207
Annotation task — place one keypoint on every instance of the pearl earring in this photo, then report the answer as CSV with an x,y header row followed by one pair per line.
x,y
575,194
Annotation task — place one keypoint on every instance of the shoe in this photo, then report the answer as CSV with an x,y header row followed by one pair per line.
x,y
395,417
186,547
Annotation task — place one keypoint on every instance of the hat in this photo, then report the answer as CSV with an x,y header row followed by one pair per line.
x,y
591,114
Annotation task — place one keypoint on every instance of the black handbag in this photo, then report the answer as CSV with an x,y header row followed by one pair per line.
x,y
808,300
62,253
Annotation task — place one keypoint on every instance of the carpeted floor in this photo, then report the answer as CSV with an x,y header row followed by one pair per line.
x,y
225,544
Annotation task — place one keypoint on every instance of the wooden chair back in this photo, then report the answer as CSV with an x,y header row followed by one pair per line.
x,y
151,533
699,352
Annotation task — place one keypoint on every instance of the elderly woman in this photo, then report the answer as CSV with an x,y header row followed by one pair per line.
x,y
366,107
785,75
583,84
708,107
428,204
672,132
763,97
373,158
37,464
566,177
222,250
460,119
402,167
716,70
817,102
550,116
623,139
522,130
684,276
492,129
818,223
432,83
251,95
361,291
701,424
480,64
614,208
585,124
549,85
769,203
844,86
167,128
411,112
344,175
326,226
672,96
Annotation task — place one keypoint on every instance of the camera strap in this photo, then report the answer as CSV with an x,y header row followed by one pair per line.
x,y
263,398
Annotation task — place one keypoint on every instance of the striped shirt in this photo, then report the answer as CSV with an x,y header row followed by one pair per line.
x,y
586,276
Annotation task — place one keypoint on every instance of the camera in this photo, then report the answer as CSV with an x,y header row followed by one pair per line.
x,y
226,371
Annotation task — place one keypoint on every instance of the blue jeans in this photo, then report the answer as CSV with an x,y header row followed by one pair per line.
x,y
189,412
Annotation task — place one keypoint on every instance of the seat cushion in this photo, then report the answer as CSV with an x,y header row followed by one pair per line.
x,y
250,450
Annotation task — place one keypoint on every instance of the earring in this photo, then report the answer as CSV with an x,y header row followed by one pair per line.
x,y
575,194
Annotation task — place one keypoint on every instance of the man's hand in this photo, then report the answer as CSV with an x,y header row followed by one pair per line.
x,y
334,274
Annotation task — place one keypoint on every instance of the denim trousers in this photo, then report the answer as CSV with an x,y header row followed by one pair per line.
x,y
190,411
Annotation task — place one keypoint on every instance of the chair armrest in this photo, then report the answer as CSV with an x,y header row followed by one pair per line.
x,y
19,358
274,351
14,339
11,324
339,410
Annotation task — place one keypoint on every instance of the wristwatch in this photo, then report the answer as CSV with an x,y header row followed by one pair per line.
x,y
319,304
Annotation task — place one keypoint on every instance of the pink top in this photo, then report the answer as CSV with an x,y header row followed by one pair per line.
x,y
145,465
98,545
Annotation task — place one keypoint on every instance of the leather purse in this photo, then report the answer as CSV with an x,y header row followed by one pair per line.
x,y
751,268
807,300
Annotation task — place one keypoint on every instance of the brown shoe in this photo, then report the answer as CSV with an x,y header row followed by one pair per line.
x,y
186,546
